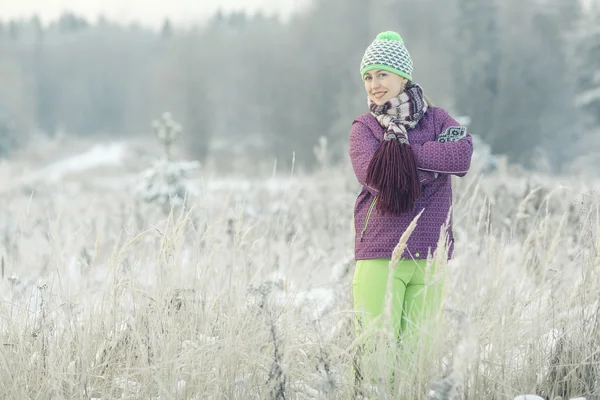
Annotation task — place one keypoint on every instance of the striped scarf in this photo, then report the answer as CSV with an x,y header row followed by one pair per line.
x,y
393,170
401,113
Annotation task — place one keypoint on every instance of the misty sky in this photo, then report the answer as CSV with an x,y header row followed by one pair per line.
x,y
148,12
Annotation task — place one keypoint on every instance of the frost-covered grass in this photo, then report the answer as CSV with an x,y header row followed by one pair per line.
x,y
247,294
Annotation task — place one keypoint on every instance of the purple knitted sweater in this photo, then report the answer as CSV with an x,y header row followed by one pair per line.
x,y
377,235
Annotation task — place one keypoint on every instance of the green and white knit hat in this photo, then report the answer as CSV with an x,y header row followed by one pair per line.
x,y
388,52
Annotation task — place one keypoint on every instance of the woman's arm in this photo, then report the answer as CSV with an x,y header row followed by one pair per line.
x,y
363,146
448,157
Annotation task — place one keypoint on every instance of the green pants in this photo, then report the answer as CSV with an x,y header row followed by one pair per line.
x,y
416,294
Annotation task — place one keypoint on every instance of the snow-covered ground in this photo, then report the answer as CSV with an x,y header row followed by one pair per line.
x,y
79,246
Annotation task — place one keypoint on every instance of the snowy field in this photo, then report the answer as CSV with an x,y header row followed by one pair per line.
x,y
246,293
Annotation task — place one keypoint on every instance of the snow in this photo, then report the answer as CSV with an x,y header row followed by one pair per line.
x,y
273,185
100,155
166,183
116,154
534,397
314,302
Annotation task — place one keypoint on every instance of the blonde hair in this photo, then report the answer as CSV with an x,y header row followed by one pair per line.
x,y
428,101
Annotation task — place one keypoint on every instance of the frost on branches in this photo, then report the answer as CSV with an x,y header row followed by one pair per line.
x,y
165,182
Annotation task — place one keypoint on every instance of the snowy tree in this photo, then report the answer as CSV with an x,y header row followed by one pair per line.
x,y
476,61
533,110
516,110
549,40
168,131
7,135
167,29
165,182
501,62
587,58
584,46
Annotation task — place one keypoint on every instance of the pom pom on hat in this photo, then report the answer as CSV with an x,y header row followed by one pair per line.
x,y
390,35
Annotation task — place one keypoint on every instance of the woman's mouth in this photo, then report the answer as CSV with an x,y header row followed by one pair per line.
x,y
379,95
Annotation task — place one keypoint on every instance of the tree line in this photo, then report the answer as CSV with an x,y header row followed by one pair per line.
x,y
526,73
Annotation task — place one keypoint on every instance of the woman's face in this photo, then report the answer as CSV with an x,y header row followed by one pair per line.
x,y
382,85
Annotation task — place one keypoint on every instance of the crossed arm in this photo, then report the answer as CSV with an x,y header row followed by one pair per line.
x,y
432,158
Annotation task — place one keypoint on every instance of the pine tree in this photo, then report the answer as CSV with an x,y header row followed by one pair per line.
x,y
514,128
587,58
7,135
13,30
533,114
167,29
475,63
164,183
331,37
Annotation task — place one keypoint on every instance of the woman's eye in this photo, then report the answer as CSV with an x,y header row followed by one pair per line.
x,y
382,75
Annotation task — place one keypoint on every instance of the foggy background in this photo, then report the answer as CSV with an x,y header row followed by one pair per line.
x,y
265,82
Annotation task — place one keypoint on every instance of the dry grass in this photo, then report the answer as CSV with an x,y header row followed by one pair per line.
x,y
247,295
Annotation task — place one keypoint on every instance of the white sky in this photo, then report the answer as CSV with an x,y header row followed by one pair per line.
x,y
147,12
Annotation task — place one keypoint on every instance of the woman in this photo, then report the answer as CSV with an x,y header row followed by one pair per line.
x,y
403,151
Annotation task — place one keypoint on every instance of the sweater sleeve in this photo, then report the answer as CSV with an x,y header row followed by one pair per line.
x,y
363,146
426,177
448,157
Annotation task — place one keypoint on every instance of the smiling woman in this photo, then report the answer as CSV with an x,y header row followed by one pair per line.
x,y
401,154
382,85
